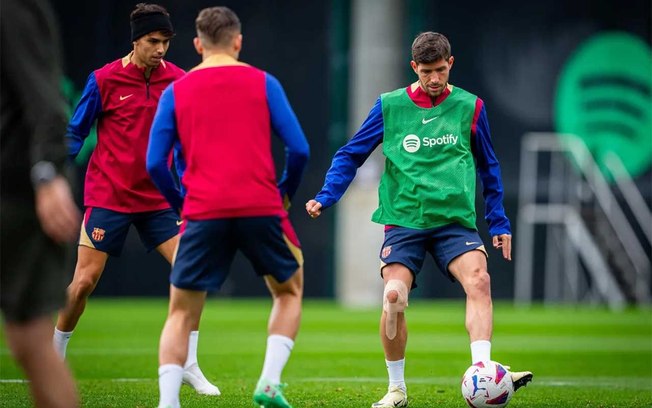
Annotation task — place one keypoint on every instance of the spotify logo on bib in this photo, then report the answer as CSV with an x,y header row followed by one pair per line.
x,y
411,143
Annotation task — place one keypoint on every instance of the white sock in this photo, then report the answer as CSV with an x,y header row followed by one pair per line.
x,y
191,358
396,372
277,355
60,341
169,384
480,351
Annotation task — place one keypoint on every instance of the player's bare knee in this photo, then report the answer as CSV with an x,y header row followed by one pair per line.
x,y
478,283
483,281
185,317
81,288
292,291
291,288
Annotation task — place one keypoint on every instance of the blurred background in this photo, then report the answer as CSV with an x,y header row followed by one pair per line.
x,y
568,90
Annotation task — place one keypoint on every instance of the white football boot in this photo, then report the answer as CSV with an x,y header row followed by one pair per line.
x,y
395,397
193,377
519,378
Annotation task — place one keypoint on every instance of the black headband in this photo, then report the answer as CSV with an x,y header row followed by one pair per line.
x,y
149,23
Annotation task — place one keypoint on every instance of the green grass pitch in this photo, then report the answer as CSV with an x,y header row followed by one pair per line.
x,y
581,357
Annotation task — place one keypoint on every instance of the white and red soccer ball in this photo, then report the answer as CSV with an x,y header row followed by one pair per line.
x,y
487,385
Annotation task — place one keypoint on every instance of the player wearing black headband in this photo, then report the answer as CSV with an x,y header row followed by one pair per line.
x,y
122,97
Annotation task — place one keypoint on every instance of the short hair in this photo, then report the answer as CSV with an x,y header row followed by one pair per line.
x,y
430,47
143,9
217,25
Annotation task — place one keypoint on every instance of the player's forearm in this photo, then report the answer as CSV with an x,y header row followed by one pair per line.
x,y
47,138
497,220
337,180
163,180
351,156
493,194
295,164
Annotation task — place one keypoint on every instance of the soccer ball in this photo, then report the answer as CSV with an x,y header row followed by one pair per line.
x,y
486,385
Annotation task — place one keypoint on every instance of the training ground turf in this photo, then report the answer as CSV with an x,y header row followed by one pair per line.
x,y
581,357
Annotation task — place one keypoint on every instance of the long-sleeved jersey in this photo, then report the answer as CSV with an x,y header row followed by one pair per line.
x,y
223,117
371,134
123,101
33,116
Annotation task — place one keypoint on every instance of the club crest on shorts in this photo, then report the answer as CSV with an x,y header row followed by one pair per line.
x,y
98,234
386,251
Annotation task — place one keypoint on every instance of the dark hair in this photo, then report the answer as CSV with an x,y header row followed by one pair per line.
x,y
430,47
146,8
144,11
217,25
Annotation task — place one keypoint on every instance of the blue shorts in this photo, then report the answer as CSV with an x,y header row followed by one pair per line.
x,y
207,248
106,230
408,246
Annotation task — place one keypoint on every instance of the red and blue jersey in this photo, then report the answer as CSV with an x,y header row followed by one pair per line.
x,y
223,118
123,102
370,135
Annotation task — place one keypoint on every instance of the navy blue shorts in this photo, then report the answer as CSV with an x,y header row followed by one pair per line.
x,y
408,246
106,230
207,248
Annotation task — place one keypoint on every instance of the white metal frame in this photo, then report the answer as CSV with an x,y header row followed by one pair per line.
x,y
568,238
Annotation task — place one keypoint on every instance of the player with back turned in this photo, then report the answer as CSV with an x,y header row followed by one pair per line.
x,y
222,113
435,139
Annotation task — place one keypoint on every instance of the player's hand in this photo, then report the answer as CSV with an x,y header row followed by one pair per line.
x,y
314,208
504,241
56,210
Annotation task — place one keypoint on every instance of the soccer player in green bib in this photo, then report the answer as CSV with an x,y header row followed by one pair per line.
x,y
435,138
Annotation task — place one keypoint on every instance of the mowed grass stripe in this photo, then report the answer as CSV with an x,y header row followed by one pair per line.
x,y
582,357
596,382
